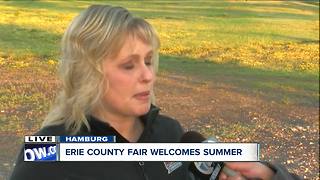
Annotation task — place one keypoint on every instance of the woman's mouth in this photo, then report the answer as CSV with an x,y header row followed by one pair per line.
x,y
143,96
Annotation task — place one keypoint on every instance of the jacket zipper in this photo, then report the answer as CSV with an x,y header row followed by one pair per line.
x,y
141,164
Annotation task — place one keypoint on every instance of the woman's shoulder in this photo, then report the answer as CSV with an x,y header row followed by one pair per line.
x,y
166,129
160,121
167,121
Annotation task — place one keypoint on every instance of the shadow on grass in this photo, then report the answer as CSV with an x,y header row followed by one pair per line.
x,y
19,40
59,6
311,5
283,87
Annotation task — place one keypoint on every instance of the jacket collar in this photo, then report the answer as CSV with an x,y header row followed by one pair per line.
x,y
151,115
100,128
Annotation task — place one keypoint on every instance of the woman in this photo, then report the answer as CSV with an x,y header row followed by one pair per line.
x,y
108,65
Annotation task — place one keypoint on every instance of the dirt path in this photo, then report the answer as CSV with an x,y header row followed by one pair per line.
x,y
287,134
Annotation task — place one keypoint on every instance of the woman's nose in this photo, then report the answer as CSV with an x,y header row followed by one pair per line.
x,y
147,73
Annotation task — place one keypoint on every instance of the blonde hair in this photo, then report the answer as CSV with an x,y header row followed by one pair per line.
x,y
98,32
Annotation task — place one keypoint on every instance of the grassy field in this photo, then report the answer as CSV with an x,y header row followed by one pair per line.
x,y
265,48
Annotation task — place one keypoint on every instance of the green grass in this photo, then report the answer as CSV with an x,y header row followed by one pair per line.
x,y
198,30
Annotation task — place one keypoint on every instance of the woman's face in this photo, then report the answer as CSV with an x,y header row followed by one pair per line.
x,y
130,77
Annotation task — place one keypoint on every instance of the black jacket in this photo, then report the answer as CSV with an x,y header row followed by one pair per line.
x,y
158,128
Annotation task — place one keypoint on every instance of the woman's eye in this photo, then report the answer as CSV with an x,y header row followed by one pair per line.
x,y
128,66
148,61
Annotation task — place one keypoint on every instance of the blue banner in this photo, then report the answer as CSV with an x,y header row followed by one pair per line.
x,y
87,139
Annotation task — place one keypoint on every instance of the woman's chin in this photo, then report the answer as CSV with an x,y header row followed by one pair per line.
x,y
143,109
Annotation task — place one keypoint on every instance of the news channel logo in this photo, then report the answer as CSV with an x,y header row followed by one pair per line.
x,y
40,152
